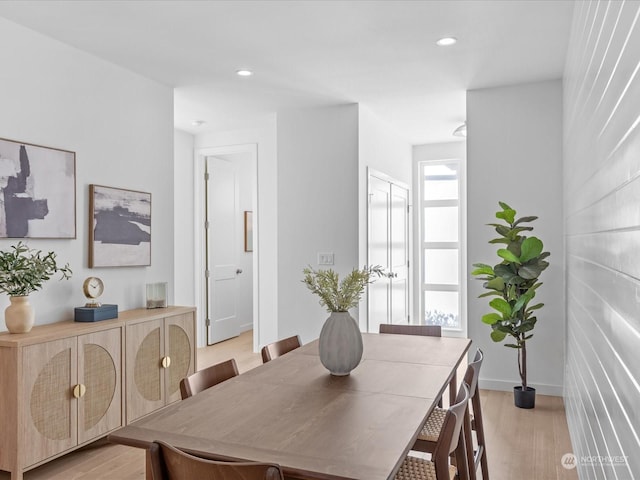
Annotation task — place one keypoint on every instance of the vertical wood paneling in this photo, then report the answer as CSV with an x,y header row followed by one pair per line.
x,y
602,227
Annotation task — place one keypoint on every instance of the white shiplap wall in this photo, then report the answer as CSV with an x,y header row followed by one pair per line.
x,y
602,227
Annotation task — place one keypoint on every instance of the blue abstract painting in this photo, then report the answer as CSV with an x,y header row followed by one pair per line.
x,y
121,227
37,191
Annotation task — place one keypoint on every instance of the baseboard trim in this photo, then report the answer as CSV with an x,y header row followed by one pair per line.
x,y
503,386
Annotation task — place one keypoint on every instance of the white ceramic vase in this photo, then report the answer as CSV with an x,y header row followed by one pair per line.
x,y
19,316
340,344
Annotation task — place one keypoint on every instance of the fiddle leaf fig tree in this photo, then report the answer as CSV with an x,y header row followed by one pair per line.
x,y
513,282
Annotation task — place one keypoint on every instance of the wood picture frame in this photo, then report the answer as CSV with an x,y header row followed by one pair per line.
x,y
37,191
248,231
119,227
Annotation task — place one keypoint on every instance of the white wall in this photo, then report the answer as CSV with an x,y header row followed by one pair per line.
x,y
121,127
602,222
317,207
265,220
514,154
456,150
381,148
184,222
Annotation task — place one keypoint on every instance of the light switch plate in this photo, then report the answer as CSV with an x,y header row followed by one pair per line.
x,y
325,258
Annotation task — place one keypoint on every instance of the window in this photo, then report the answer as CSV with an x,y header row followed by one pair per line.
x,y
441,252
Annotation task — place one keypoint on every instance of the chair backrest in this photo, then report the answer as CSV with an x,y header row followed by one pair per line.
x,y
451,438
169,463
424,330
208,377
473,372
276,349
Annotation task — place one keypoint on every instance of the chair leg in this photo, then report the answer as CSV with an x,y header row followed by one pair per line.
x,y
468,440
479,428
461,462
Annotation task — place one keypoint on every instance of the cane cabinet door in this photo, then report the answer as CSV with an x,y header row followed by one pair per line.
x,y
180,349
145,368
99,383
50,423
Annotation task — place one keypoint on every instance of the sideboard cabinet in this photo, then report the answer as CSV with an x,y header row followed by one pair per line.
x,y
64,385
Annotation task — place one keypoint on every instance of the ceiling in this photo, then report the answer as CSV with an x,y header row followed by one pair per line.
x,y
381,54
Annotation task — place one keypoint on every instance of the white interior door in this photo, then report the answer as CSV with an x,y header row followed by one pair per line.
x,y
399,253
388,246
378,247
223,215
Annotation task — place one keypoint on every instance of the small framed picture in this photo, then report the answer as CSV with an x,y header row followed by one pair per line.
x,y
37,191
120,227
248,231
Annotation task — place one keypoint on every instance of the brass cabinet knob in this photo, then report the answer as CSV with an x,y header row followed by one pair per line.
x,y
166,362
79,390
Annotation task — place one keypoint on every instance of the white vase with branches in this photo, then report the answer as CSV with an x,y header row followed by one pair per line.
x,y
340,342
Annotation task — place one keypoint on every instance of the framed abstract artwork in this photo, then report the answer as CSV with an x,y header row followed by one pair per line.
x,y
119,227
37,191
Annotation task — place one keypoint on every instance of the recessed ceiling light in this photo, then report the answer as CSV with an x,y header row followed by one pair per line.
x,y
244,73
197,123
446,41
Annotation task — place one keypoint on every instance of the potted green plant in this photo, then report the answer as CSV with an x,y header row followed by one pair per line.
x,y
340,342
23,271
514,282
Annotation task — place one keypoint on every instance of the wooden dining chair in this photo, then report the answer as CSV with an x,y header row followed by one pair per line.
x,y
208,377
169,463
450,441
428,437
424,330
276,349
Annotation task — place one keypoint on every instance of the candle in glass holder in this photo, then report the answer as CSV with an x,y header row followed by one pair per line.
x,y
157,295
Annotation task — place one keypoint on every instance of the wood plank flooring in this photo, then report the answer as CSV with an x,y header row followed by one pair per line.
x,y
521,444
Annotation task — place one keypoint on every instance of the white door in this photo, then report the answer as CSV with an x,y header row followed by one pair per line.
x,y
388,246
378,246
399,254
223,214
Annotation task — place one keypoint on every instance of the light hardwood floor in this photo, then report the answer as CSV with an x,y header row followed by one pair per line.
x,y
521,444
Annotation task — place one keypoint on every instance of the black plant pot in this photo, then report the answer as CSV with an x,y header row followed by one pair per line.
x,y
524,398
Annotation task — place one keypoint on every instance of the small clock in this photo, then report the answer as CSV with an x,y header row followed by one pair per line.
x,y
92,289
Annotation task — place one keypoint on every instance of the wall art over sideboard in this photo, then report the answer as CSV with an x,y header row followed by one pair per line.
x,y
37,191
120,227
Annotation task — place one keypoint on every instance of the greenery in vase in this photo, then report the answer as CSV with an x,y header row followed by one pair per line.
x,y
23,270
514,282
336,295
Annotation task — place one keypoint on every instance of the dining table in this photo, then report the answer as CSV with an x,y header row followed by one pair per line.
x,y
316,426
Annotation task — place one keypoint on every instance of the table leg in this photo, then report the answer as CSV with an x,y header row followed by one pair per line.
x,y
453,389
147,468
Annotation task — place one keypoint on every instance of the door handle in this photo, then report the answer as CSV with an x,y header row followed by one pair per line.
x,y
166,362
238,271
392,275
79,390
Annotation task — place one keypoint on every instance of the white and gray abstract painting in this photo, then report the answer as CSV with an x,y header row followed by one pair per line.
x,y
121,227
37,191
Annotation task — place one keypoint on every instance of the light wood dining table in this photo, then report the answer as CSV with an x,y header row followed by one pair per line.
x,y
291,411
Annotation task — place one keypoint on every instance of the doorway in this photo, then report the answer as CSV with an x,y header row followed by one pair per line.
x,y
388,247
228,246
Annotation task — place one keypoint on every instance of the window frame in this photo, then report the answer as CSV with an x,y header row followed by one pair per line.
x,y
460,245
